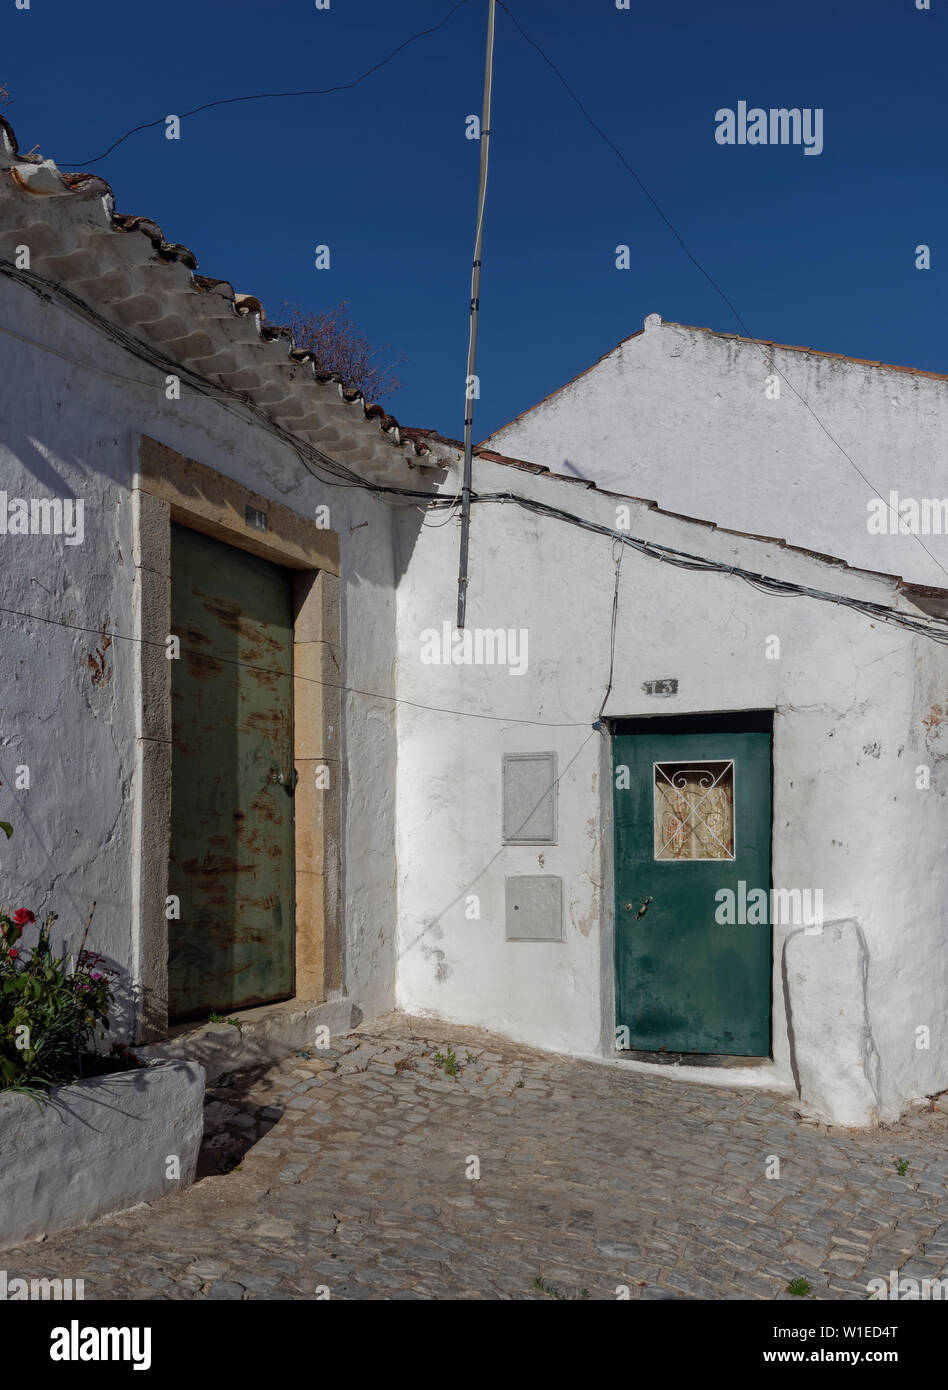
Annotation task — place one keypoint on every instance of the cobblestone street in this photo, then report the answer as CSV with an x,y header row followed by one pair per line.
x,y
346,1170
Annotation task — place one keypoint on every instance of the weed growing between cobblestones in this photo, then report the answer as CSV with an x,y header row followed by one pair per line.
x,y
552,1292
448,1062
901,1166
356,1175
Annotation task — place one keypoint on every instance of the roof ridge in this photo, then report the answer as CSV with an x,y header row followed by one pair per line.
x,y
656,321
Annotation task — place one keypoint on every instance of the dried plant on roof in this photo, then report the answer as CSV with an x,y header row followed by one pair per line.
x,y
338,347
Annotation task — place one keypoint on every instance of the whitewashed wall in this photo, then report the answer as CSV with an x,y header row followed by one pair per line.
x,y
73,430
854,717
857,710
682,417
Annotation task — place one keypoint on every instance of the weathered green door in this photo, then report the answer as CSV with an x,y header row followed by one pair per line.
x,y
231,818
692,818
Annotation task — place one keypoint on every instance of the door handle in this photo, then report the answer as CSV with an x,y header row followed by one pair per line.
x,y
287,783
643,907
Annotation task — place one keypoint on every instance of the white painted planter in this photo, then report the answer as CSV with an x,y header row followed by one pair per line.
x,y
97,1147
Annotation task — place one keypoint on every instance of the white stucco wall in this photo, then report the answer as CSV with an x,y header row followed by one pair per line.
x,y
681,416
857,709
69,427
851,696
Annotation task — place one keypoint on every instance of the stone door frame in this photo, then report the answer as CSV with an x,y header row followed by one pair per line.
x,y
170,487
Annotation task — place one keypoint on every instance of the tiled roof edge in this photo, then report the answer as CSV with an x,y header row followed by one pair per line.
x,y
33,175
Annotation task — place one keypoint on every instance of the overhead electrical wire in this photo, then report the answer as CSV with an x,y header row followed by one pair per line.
x,y
340,475
199,655
345,477
310,455
935,628
275,96
617,554
768,357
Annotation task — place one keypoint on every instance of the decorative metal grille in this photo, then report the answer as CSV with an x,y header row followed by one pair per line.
x,y
694,810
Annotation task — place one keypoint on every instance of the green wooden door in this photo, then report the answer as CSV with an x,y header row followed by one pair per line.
x,y
231,819
692,819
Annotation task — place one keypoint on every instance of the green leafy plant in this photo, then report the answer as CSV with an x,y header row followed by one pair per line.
x,y
50,1012
448,1062
901,1166
552,1291
549,1289
800,1288
219,1018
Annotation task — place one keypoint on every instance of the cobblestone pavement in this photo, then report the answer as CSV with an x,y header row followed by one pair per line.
x,y
351,1176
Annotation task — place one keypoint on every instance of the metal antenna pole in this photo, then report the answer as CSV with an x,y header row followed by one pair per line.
x,y
475,310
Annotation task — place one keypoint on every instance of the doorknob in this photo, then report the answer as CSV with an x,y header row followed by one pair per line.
x,y
643,907
287,783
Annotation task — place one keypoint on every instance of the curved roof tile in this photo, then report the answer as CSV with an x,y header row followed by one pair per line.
x,y
123,266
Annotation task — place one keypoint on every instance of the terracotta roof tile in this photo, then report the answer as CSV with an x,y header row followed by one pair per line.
x,y
122,265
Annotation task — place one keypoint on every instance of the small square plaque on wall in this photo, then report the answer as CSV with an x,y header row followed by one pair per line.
x,y
534,907
529,799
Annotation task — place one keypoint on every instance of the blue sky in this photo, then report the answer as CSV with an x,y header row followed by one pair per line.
x,y
811,250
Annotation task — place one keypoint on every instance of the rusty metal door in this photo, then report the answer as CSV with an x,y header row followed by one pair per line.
x,y
232,779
